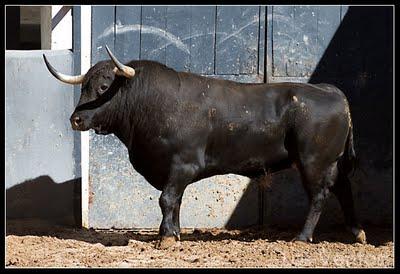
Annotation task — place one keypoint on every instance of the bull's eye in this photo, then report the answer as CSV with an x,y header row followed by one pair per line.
x,y
103,88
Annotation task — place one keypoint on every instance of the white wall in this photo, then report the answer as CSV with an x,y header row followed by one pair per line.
x,y
61,36
39,138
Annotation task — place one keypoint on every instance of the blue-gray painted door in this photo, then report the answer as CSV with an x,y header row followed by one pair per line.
x,y
300,43
223,41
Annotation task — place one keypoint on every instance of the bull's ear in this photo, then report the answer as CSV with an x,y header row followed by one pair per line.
x,y
139,70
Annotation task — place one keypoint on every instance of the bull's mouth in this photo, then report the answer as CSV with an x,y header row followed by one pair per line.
x,y
83,127
99,130
79,128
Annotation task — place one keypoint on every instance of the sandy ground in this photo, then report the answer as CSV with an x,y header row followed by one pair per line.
x,y
37,244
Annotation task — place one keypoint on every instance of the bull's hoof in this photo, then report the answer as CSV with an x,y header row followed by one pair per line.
x,y
302,238
166,242
360,235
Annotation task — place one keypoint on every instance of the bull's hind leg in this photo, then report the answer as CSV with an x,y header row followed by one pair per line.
x,y
342,190
316,182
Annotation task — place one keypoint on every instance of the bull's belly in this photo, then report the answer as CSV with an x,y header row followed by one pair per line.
x,y
249,160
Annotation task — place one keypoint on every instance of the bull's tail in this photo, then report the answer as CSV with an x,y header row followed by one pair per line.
x,y
349,161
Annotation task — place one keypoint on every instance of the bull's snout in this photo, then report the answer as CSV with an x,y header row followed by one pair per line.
x,y
76,121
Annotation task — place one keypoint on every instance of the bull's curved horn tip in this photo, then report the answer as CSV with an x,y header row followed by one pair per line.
x,y
63,77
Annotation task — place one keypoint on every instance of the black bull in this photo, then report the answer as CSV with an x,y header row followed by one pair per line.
x,y
180,127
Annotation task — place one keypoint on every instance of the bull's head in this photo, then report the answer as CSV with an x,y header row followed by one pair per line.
x,y
99,85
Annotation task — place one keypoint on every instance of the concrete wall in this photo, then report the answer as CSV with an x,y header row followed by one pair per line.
x,y
40,147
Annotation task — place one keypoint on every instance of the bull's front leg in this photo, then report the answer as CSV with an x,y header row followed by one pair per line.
x,y
170,202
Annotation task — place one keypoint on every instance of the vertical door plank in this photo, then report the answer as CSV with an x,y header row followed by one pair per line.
x,y
202,39
281,22
237,39
249,39
153,43
262,37
178,30
302,53
127,33
227,42
102,32
329,18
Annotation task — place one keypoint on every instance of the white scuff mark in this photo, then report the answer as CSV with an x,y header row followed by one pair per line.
x,y
196,35
235,33
285,20
172,39
295,99
305,39
286,35
99,47
147,29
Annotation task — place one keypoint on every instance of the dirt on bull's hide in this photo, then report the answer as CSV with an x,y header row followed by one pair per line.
x,y
33,244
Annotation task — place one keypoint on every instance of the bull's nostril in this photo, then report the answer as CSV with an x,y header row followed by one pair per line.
x,y
77,121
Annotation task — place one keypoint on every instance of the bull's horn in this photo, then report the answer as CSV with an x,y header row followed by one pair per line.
x,y
126,70
74,80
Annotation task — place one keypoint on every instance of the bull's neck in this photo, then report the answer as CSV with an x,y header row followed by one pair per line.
x,y
136,109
